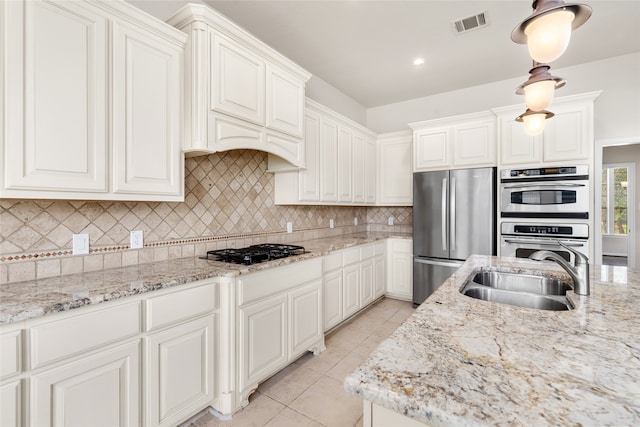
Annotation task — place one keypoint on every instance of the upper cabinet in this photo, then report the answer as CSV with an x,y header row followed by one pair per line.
x,y
568,136
240,93
340,163
92,102
395,179
454,142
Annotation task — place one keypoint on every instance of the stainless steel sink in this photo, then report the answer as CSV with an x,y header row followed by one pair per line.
x,y
522,290
521,282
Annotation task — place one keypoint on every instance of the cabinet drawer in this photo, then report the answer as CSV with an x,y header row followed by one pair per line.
x,y
351,255
402,245
333,261
255,286
181,305
10,353
63,338
367,251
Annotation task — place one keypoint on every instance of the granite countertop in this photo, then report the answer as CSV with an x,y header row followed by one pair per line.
x,y
35,298
463,361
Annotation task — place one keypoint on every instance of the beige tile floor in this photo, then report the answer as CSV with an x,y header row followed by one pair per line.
x,y
309,392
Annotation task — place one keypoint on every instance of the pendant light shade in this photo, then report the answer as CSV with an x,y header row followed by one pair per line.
x,y
540,87
547,31
534,121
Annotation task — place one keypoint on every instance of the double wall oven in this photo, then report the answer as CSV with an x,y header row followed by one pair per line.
x,y
541,206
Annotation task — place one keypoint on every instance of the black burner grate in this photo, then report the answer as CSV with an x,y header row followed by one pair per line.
x,y
255,254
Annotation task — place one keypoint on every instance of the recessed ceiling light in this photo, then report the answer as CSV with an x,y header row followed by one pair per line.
x,y
418,61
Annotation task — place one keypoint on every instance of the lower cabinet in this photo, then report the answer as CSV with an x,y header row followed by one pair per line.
x,y
400,268
366,282
102,389
332,292
180,371
279,319
351,283
11,404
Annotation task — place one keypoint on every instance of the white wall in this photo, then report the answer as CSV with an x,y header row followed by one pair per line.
x,y
327,95
617,110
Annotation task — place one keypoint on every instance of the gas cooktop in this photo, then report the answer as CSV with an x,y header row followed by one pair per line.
x,y
255,253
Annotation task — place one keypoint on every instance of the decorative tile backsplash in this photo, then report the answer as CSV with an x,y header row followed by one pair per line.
x,y
228,202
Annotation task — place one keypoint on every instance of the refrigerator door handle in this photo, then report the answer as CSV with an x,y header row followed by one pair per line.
x,y
444,214
453,214
442,263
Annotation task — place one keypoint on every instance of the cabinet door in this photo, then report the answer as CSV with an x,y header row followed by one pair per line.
x,y
180,371
474,144
102,389
344,164
11,404
370,175
309,178
351,284
147,118
237,80
55,96
516,147
400,265
379,277
263,340
305,321
328,160
332,292
566,135
366,282
358,167
395,182
431,149
285,102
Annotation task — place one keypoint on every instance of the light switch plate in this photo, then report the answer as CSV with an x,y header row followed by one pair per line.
x,y
355,220
390,221
136,239
289,227
80,244
331,223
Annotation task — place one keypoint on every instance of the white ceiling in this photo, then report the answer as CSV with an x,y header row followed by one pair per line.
x,y
366,48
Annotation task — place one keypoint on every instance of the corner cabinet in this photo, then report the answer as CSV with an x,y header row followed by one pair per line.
x,y
568,136
92,102
241,94
455,142
340,163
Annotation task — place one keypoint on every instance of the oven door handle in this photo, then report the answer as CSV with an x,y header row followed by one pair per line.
x,y
543,184
543,242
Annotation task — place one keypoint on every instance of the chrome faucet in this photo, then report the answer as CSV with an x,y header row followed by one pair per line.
x,y
579,272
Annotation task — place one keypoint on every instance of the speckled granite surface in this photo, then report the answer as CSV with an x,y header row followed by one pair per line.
x,y
463,361
25,300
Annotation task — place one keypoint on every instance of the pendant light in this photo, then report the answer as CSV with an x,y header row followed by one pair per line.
x,y
547,31
539,89
534,121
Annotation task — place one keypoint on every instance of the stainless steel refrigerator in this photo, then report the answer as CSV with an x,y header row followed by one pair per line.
x,y
453,218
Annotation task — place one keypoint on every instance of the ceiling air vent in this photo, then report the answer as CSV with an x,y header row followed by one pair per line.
x,y
470,23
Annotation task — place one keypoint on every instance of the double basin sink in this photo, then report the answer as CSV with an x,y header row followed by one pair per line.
x,y
523,290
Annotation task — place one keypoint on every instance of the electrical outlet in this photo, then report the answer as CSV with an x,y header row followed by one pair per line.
x,y
331,223
390,220
355,220
136,239
289,227
80,244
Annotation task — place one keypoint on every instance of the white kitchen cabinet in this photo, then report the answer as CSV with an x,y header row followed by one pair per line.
x,y
305,318
400,268
567,137
88,85
379,270
103,388
351,286
367,282
395,177
341,163
11,406
328,160
279,318
147,114
237,80
332,292
232,74
454,142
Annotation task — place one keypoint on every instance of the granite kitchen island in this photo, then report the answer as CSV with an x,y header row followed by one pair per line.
x,y
464,361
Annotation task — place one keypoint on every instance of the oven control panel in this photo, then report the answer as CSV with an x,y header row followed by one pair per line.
x,y
574,230
559,172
